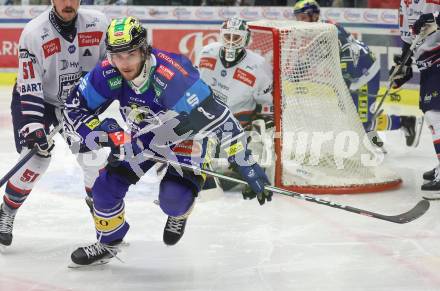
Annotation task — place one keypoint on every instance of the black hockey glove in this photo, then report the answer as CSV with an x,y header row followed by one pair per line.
x,y
423,20
115,139
35,135
253,174
405,72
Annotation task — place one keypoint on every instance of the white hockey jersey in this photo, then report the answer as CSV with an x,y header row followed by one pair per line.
x,y
50,65
427,52
242,86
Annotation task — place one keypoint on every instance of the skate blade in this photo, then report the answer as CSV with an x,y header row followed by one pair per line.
x,y
3,248
73,265
432,197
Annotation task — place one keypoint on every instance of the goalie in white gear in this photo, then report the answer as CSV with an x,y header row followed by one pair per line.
x,y
242,79
55,50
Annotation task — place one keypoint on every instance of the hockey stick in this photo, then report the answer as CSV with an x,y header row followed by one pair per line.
x,y
408,54
373,95
418,210
27,157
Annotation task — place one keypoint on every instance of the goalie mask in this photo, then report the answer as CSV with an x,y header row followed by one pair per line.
x,y
234,35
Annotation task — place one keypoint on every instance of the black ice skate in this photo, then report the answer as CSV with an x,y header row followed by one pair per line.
x,y
6,224
429,175
94,254
174,229
412,126
432,188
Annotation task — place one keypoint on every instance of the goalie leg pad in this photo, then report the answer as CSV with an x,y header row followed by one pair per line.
x,y
176,195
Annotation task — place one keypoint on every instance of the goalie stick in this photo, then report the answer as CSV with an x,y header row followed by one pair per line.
x,y
417,211
27,157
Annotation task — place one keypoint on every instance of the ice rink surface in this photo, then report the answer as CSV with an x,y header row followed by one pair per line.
x,y
229,243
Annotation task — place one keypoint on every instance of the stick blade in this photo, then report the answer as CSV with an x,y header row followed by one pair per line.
x,y
416,212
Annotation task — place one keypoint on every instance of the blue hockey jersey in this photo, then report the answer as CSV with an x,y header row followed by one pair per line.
x,y
174,104
358,64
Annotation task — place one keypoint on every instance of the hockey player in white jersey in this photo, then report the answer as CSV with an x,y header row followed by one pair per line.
x,y
423,17
242,79
361,72
55,50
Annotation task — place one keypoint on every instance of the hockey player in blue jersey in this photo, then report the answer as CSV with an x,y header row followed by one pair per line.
x,y
361,72
171,113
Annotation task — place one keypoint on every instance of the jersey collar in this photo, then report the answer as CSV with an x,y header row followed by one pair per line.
x,y
66,29
144,78
226,64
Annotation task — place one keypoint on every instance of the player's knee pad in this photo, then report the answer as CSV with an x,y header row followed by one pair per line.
x,y
110,224
176,196
108,191
433,119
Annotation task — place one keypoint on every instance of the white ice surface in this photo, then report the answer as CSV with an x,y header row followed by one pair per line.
x,y
229,243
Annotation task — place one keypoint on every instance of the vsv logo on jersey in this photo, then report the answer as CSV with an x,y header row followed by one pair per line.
x,y
89,38
166,72
51,47
245,77
208,63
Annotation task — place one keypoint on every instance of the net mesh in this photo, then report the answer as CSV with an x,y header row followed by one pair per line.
x,y
322,145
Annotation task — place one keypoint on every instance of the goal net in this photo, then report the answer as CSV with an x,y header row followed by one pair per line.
x,y
320,144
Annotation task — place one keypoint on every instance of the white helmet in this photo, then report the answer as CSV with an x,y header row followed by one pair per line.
x,y
234,35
